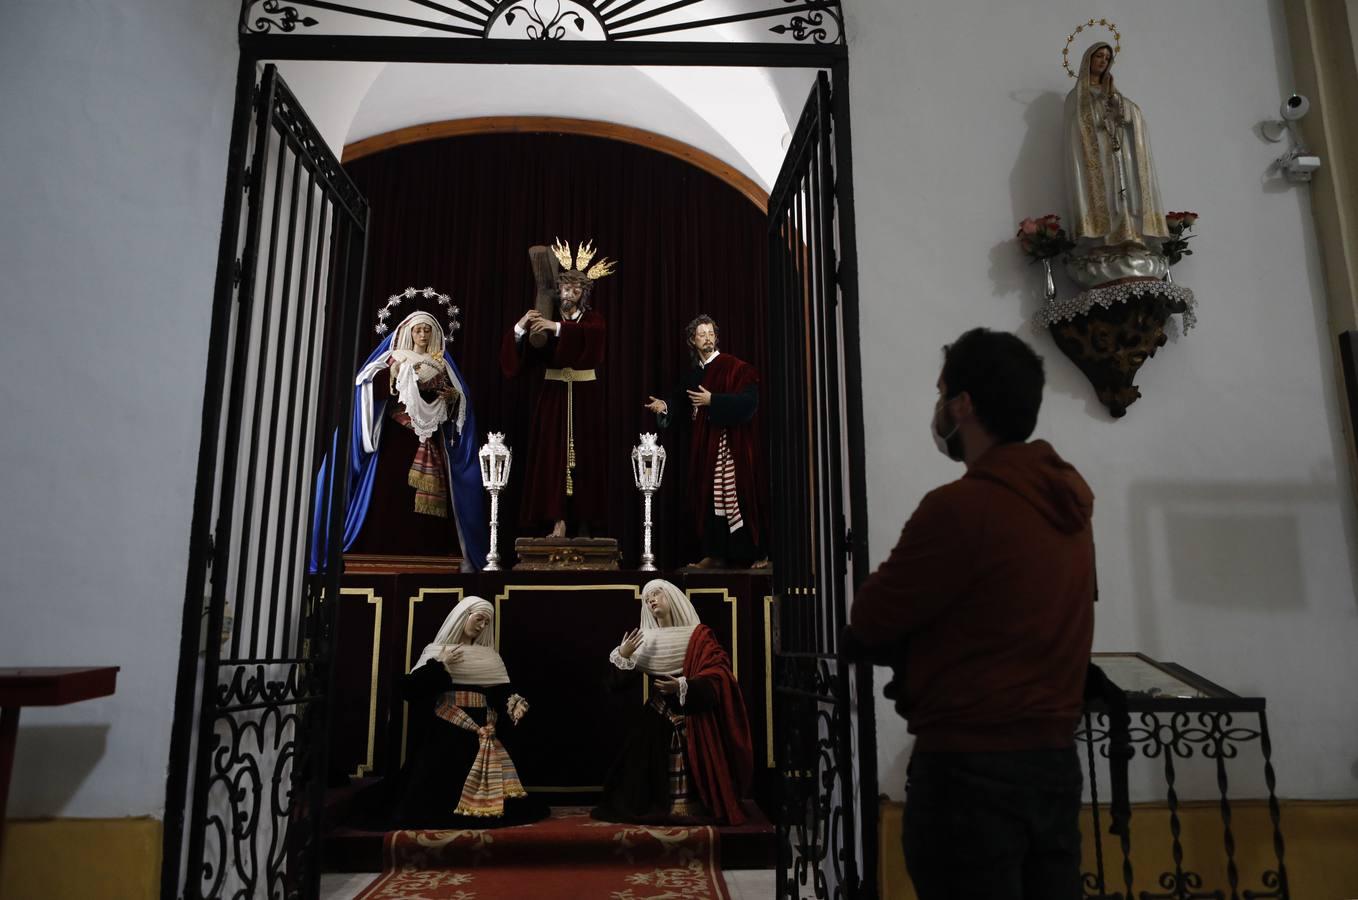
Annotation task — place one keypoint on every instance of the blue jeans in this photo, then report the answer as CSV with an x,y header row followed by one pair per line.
x,y
998,826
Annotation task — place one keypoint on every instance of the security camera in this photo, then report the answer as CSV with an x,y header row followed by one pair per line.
x,y
1294,108
1297,164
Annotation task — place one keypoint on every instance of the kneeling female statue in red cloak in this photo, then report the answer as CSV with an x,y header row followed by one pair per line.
x,y
687,754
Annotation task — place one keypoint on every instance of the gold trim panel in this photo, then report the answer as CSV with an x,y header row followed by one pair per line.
x,y
371,595
768,679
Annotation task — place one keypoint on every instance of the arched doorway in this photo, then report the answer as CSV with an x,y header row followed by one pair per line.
x,y
248,719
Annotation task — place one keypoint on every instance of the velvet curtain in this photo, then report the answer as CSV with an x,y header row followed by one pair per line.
x,y
459,214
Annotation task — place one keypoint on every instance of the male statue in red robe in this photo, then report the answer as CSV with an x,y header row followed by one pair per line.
x,y
727,491
564,475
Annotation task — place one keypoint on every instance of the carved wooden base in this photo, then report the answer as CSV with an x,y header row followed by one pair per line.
x,y
1110,345
548,554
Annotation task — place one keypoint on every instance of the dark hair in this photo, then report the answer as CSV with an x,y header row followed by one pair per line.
x,y
692,328
1002,375
586,288
703,319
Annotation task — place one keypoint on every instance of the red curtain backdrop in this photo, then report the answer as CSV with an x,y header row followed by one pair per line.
x,y
459,215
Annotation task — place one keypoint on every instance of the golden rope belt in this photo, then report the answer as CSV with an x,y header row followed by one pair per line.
x,y
570,376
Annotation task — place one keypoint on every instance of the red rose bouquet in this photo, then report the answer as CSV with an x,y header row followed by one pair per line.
x,y
1044,238
1175,247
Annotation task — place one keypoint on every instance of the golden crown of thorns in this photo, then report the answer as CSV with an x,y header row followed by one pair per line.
x,y
584,253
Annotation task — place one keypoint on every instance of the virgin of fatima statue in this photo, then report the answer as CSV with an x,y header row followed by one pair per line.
x,y
1114,194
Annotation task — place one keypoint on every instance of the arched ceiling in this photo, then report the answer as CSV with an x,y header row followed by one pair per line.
x,y
739,115
733,114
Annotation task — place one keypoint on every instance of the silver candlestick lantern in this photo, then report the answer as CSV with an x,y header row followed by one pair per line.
x,y
495,460
648,468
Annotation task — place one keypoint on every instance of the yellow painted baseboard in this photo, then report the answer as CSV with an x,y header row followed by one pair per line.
x,y
1320,838
81,859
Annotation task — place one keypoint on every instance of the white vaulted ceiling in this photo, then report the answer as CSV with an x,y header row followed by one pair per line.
x,y
733,114
739,115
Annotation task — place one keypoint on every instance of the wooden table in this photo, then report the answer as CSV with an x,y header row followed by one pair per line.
x,y
42,686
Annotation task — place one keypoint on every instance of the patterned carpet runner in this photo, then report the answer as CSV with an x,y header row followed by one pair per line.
x,y
566,857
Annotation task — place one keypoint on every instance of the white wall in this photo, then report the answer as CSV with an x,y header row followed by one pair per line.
x,y
113,130
1224,530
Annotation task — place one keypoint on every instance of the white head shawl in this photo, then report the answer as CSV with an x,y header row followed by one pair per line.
x,y
403,339
480,664
414,367
662,649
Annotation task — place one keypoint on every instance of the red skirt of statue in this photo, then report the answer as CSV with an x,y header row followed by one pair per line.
x,y
580,347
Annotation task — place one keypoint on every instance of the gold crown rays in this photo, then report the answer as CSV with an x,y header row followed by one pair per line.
x,y
584,253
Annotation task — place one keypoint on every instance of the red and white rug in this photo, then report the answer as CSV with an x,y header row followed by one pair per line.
x,y
566,857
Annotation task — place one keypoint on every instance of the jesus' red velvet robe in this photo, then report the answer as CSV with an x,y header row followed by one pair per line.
x,y
580,346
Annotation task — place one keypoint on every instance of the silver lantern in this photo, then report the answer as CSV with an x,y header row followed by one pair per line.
x,y
648,469
495,460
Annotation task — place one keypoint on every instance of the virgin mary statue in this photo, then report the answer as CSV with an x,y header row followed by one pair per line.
x,y
414,480
1114,194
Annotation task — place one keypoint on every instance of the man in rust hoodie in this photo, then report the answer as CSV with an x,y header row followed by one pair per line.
x,y
985,611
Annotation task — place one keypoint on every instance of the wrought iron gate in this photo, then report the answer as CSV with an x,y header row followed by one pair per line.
x,y
828,826
247,752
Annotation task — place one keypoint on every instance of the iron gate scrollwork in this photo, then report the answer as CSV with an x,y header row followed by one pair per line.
x,y
247,752
1172,732
793,21
827,826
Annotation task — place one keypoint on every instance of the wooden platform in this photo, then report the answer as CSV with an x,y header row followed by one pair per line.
x,y
551,554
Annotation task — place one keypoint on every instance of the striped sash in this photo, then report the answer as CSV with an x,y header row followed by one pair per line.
x,y
492,777
725,502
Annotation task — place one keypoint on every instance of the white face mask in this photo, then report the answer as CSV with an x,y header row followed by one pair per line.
x,y
941,440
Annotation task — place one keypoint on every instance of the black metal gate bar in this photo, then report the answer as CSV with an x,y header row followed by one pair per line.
x,y
280,402
355,260
854,533
245,561
257,773
200,529
297,473
819,826
438,50
229,451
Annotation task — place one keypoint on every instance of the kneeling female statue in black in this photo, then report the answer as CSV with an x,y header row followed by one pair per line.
x,y
460,775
